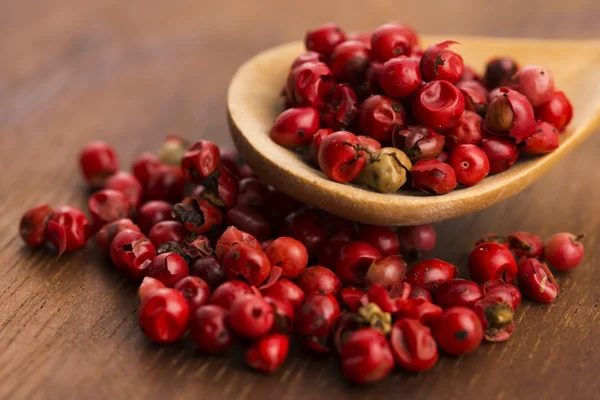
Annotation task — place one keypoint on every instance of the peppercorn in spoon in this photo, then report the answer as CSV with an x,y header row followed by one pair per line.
x,y
254,102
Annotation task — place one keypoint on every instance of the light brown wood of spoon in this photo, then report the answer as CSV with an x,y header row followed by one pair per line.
x,y
254,102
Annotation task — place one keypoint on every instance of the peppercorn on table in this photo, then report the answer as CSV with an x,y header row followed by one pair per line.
x,y
131,73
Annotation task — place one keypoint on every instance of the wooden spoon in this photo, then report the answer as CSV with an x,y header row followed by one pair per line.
x,y
254,102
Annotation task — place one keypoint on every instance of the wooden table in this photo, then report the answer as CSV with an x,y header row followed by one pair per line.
x,y
131,72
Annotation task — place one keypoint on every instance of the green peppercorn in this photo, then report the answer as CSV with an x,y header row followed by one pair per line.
x,y
385,170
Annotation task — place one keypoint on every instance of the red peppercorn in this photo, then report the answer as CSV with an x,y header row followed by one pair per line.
x,y
361,36
107,233
337,228
438,105
305,225
457,292
545,139
253,193
458,331
108,205
476,96
127,184
144,166
248,262
221,188
536,281
208,269
285,291
439,63
98,160
369,144
380,116
469,74
169,268
496,317
295,126
419,309
379,296
200,161
470,164
268,353
68,229
534,82
195,291
319,279
468,130
153,212
232,236
164,316
405,290
498,71
167,231
132,252
315,320
171,150
382,238
508,293
501,152
289,254
227,293
413,345
340,157
390,41
416,240
419,142
354,261
491,261
493,238
341,109
431,273
166,183
251,317
197,215
526,244
564,251
315,144
366,356
349,61
324,39
557,111
400,76
433,176
283,313
208,329
248,219
386,272
148,286
32,227
306,57
310,84
351,298
510,113
370,83
196,246
277,206
329,253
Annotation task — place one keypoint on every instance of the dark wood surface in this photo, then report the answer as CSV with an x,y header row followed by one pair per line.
x,y
131,72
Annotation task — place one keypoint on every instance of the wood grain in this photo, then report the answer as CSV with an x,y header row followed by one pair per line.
x,y
132,72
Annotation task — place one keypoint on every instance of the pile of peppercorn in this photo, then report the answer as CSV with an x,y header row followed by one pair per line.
x,y
222,256
378,110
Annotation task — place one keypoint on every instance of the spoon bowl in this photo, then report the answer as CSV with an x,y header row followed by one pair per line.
x,y
254,102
